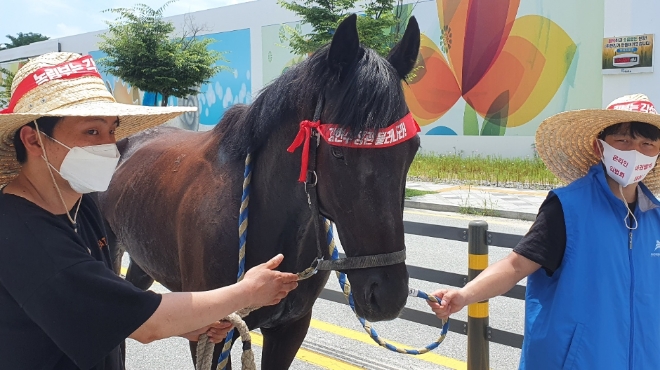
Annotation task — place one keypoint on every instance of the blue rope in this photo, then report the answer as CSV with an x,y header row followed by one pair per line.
x,y
243,217
242,230
343,282
346,289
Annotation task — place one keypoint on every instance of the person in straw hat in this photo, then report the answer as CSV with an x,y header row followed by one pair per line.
x,y
62,305
592,257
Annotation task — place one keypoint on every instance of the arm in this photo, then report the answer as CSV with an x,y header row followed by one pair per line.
x,y
542,246
497,279
180,313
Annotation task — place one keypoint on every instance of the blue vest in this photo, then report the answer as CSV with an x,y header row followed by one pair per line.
x,y
601,308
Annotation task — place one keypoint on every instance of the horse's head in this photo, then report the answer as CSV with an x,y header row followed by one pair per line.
x,y
361,189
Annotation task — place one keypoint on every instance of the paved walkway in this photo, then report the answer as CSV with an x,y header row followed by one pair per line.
x,y
490,201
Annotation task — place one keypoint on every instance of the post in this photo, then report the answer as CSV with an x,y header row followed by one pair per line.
x,y
478,357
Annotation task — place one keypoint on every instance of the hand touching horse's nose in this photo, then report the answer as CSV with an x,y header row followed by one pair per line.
x,y
267,286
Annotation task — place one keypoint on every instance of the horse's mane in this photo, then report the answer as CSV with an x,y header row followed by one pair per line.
x,y
365,96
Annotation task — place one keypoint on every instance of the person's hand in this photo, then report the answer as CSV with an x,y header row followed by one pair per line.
x,y
216,332
451,301
266,286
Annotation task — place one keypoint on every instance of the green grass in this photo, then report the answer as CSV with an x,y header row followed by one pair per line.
x,y
416,193
477,170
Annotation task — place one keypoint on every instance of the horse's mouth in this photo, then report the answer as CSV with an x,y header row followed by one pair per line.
x,y
377,314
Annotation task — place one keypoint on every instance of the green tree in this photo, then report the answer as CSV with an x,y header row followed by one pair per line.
x,y
140,50
23,39
380,27
6,78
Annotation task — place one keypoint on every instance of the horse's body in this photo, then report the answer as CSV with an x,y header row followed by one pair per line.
x,y
175,197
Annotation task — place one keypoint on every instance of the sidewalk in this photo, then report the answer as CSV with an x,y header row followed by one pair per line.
x,y
489,201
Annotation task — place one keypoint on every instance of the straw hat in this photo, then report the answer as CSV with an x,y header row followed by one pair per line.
x,y
63,85
565,140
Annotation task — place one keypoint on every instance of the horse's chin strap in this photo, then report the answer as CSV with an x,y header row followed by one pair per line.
x,y
361,262
310,182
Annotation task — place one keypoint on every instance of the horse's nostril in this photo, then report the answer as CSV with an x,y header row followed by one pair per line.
x,y
372,294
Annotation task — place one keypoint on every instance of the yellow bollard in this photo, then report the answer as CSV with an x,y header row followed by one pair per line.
x,y
477,327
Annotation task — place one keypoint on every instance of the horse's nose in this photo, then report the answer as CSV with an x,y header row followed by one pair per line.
x,y
382,294
373,294
379,293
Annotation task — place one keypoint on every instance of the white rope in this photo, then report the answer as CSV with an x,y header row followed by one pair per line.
x,y
205,347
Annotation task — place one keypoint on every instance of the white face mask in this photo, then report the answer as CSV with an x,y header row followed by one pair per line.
x,y
88,169
626,166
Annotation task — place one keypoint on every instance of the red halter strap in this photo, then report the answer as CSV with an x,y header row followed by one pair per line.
x,y
304,135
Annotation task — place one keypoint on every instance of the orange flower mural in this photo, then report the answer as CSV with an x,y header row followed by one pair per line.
x,y
507,69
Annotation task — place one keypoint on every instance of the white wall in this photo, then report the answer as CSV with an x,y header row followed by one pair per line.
x,y
622,17
31,50
626,18
252,15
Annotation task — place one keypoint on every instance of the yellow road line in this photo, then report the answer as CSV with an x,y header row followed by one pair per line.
x,y
332,363
363,337
323,361
305,355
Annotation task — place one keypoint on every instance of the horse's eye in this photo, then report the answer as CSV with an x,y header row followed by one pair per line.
x,y
337,153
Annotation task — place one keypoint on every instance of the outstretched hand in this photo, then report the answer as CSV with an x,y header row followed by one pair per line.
x,y
451,301
267,286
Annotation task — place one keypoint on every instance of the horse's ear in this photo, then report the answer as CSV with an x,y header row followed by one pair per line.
x,y
345,44
403,55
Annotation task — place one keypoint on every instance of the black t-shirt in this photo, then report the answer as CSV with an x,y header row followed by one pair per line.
x,y
61,305
545,242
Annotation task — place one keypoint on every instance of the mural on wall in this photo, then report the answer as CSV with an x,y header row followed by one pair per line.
x,y
277,56
223,90
492,68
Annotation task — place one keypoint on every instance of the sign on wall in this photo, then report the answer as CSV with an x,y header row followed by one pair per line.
x,y
628,54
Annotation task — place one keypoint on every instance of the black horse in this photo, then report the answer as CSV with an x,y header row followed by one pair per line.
x,y
173,203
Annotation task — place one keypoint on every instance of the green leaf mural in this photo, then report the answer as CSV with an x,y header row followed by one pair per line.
x,y
470,122
498,116
494,126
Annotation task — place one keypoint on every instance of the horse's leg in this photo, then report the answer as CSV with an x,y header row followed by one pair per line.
x,y
282,343
136,276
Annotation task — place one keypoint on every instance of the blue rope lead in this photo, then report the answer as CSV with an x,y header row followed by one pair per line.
x,y
242,231
346,289
243,217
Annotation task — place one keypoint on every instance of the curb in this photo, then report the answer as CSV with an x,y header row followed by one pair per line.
x,y
526,216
